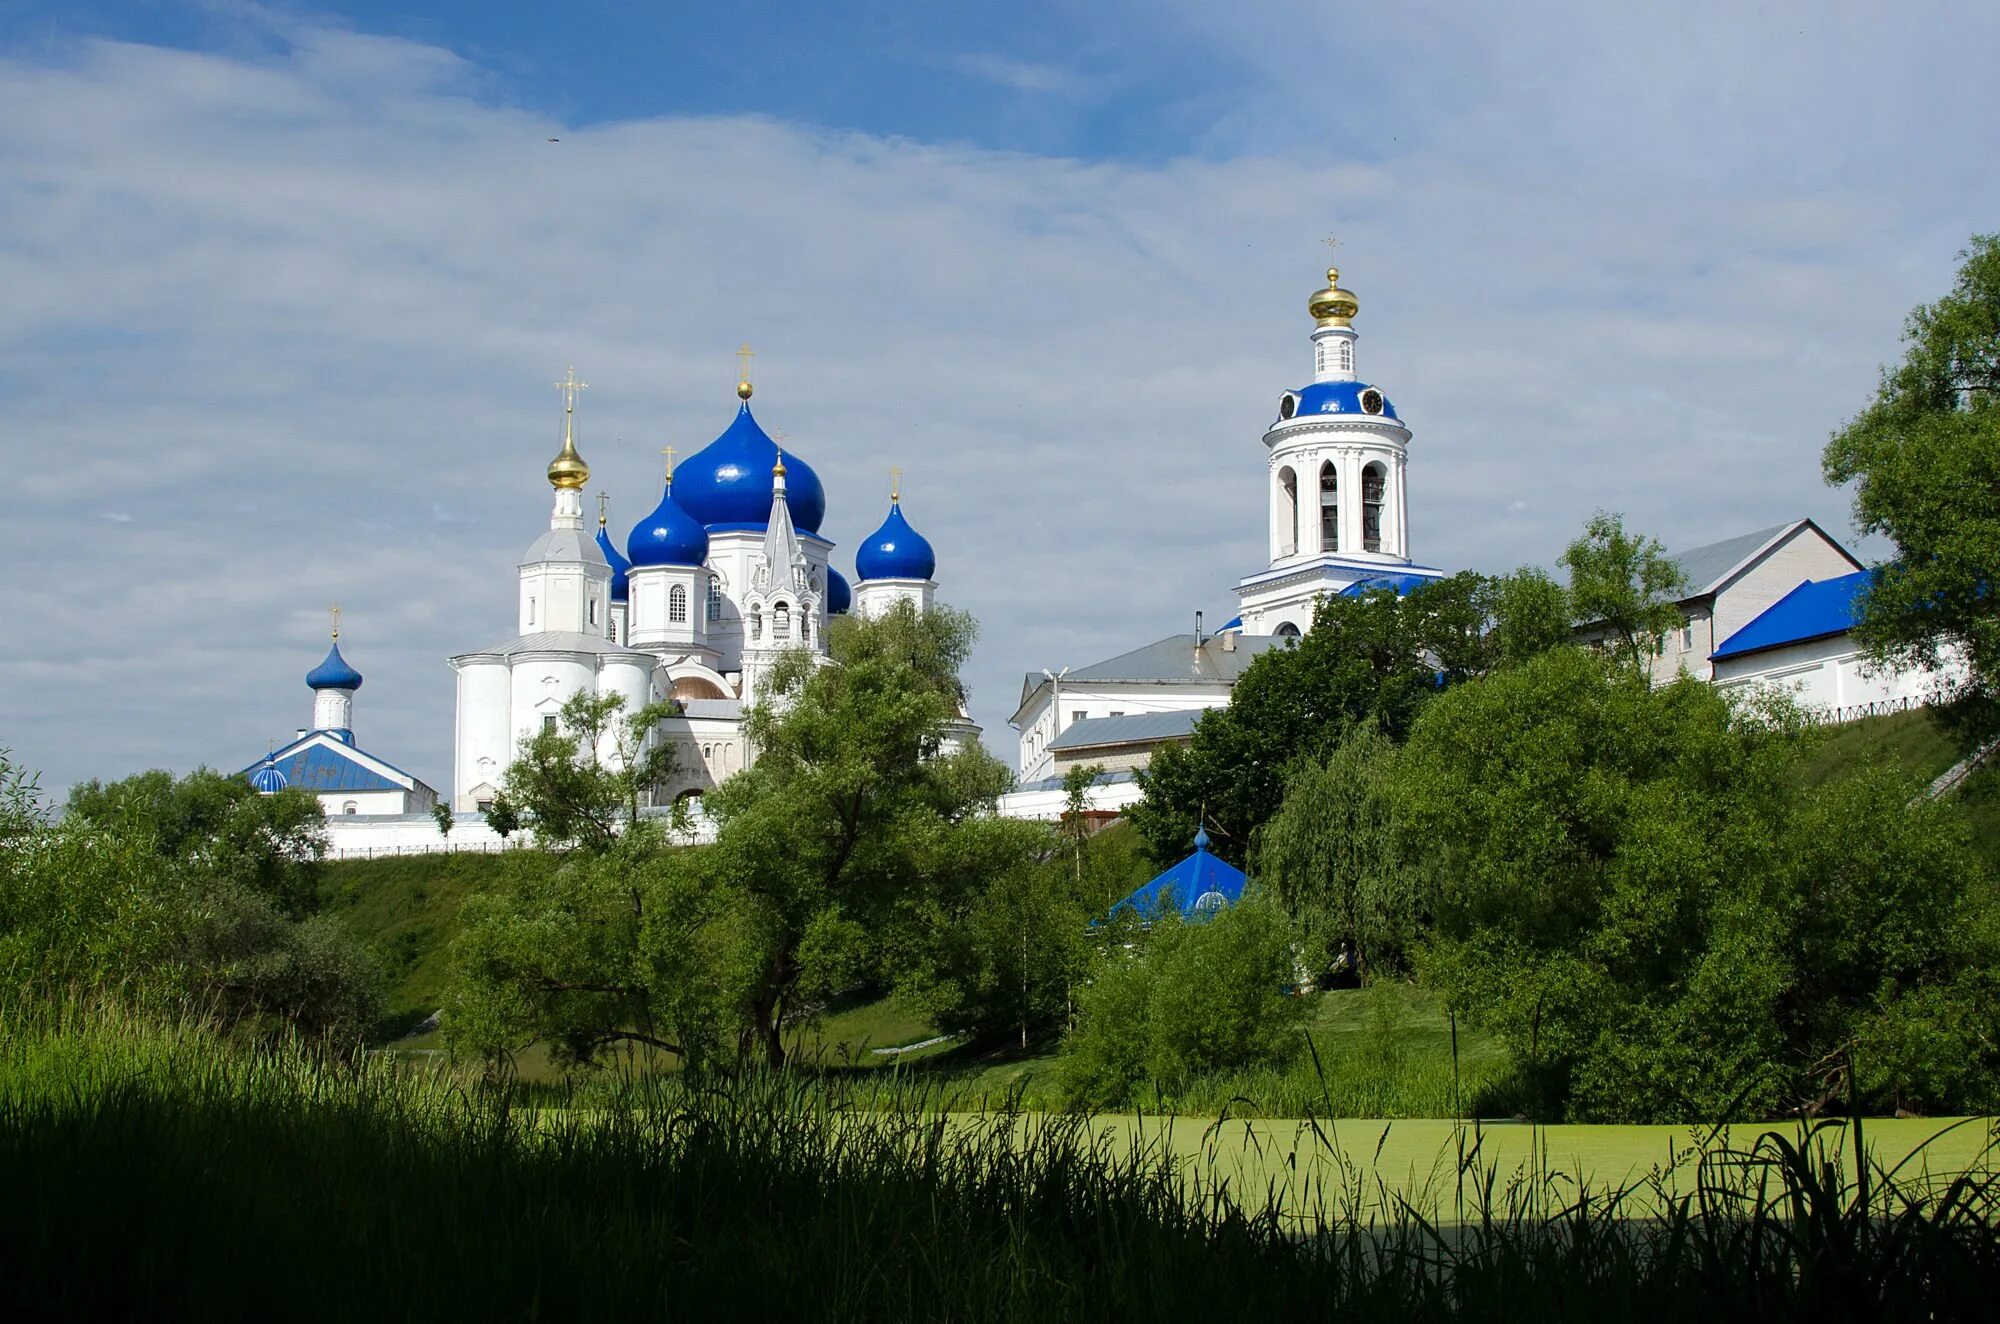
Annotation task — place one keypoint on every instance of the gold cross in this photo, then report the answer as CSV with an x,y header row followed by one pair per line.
x,y
569,386
603,499
334,611
668,451
743,357
895,485
1331,244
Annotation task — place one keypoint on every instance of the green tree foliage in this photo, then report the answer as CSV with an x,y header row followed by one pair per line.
x,y
561,783
1375,658
1636,887
1328,857
195,890
1188,998
1925,460
1624,584
835,855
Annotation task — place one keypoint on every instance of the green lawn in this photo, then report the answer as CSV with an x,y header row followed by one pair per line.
x,y
1916,743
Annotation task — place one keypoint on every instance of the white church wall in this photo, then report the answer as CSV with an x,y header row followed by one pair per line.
x,y
1832,678
341,804
1040,723
485,728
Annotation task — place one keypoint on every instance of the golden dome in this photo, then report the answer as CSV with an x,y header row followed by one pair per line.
x,y
1333,306
778,469
567,469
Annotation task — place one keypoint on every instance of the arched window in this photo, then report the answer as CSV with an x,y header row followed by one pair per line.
x,y
715,597
1288,512
593,611
350,808
1319,358
756,624
677,605
1288,631
1373,480
531,611
1347,356
1329,508
805,627
781,622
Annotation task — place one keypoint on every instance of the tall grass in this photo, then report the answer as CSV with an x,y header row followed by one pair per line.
x,y
156,1170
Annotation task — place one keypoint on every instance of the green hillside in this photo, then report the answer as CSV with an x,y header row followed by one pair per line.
x,y
1917,744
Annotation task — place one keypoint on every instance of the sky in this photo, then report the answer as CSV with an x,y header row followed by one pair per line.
x,y
283,290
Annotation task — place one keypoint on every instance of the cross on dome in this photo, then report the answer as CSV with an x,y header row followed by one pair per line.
x,y
743,356
333,613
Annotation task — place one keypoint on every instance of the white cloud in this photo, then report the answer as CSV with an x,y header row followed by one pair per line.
x,y
296,316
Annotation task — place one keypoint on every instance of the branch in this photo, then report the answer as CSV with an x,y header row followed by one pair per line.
x,y
634,1036
559,986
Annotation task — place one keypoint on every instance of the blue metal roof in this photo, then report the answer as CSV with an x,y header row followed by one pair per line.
x,y
334,673
670,535
1815,609
267,780
729,480
1399,584
620,586
839,594
1193,886
895,551
314,766
1337,398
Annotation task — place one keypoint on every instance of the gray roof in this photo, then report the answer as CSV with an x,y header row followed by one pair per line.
x,y
1131,729
558,641
1706,566
1168,660
565,545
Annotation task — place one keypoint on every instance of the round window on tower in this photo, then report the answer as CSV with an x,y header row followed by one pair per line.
x,y
1371,401
1288,404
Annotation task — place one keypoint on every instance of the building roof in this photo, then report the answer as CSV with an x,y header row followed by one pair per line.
x,y
1116,777
621,587
1712,565
1130,729
1199,884
556,641
895,551
334,673
667,536
1399,583
1338,398
729,482
1816,609
568,546
326,766
1172,660
729,709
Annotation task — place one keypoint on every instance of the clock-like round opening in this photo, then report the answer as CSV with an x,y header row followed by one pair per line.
x,y
1371,401
1288,404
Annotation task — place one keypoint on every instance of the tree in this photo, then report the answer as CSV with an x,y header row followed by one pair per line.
x,y
441,812
1328,858
1638,889
1375,658
572,795
1925,460
837,855
1624,585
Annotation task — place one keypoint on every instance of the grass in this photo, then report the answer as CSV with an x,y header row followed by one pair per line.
x,y
1915,743
176,1175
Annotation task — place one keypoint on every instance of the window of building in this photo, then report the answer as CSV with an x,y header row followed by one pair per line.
x,y
714,598
781,622
1287,631
1346,356
531,610
593,611
483,806
1078,715
350,808
1288,512
1373,483
805,627
677,605
548,721
756,624
1329,508
1116,712
1687,637
1319,357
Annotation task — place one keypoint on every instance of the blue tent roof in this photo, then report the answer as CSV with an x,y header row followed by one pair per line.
x,y
1192,885
1813,610
315,767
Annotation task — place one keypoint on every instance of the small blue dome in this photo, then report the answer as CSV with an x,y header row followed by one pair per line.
x,y
267,780
1337,398
620,590
839,597
728,481
334,673
668,536
895,551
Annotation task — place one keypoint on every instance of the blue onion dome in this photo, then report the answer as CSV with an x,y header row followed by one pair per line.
x,y
839,597
620,589
668,536
728,483
1348,398
268,780
334,673
895,551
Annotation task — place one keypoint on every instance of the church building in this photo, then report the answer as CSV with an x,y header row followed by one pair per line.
x,y
727,572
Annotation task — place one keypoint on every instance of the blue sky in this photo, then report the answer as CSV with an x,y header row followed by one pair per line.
x,y
285,288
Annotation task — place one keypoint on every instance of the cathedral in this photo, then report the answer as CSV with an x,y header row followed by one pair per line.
x,y
725,574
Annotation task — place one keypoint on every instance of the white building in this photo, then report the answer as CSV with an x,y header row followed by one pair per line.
x,y
727,573
324,759
1336,462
